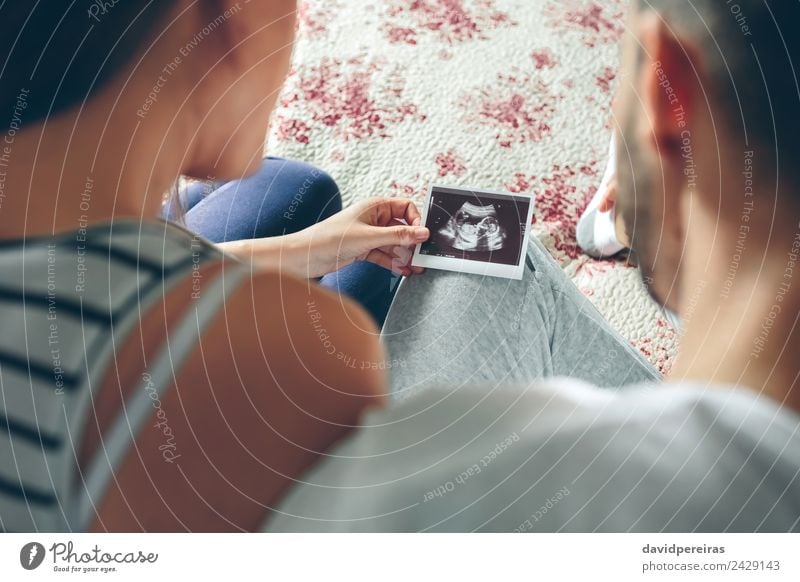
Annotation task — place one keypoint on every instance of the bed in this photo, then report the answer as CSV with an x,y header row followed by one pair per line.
x,y
391,96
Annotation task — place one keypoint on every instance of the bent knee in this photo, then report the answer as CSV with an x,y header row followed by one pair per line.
x,y
316,194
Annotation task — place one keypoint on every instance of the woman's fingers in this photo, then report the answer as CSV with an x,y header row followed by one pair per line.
x,y
397,235
397,259
385,211
389,230
403,254
369,229
411,212
390,262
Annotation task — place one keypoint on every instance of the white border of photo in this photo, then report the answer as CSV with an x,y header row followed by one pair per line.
x,y
471,266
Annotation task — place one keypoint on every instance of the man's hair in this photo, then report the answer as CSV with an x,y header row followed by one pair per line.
x,y
748,49
56,53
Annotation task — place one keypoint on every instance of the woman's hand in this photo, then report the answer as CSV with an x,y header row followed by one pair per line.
x,y
383,231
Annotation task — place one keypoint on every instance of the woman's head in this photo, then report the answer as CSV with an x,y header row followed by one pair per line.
x,y
219,63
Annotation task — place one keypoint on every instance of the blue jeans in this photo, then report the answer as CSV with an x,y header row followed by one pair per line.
x,y
283,197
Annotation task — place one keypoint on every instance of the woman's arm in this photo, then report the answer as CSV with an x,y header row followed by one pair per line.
x,y
380,230
281,374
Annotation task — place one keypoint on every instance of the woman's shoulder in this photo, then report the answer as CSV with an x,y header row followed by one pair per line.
x,y
146,243
304,320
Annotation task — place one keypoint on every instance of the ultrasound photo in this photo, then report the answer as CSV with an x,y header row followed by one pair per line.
x,y
475,226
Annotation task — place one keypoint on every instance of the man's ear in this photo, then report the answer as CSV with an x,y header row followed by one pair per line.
x,y
670,85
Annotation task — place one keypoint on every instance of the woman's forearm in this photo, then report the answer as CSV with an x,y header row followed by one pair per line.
x,y
279,253
371,230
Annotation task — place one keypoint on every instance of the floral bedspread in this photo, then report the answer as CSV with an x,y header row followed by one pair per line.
x,y
390,96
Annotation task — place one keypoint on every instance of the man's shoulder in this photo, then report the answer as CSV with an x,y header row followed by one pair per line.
x,y
561,455
682,457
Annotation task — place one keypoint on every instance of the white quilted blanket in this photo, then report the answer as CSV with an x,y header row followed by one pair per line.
x,y
390,96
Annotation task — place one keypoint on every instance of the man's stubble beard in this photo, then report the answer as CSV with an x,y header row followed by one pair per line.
x,y
634,195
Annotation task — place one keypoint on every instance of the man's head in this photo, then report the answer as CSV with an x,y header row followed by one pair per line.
x,y
709,136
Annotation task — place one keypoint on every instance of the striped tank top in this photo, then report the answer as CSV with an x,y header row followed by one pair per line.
x,y
67,302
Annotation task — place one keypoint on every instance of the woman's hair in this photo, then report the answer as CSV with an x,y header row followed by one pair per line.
x,y
57,53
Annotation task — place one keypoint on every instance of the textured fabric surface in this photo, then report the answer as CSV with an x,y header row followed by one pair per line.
x,y
455,330
391,96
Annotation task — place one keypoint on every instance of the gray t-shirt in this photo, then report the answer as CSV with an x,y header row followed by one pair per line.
x,y
560,456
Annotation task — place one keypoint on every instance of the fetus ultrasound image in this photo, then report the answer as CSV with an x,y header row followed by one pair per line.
x,y
476,226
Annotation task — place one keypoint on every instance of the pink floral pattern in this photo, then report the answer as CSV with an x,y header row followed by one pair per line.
x,y
595,22
416,188
449,163
544,58
391,96
517,106
342,96
656,348
559,202
450,21
606,78
313,17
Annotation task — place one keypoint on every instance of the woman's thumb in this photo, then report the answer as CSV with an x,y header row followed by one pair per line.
x,y
400,235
